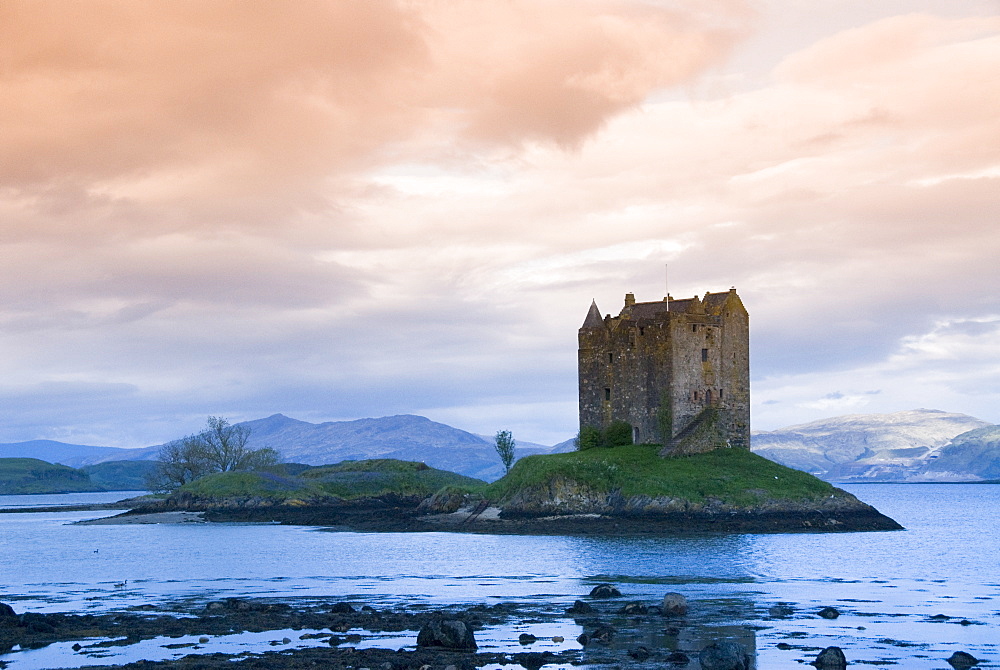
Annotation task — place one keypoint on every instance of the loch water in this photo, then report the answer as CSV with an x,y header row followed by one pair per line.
x,y
888,586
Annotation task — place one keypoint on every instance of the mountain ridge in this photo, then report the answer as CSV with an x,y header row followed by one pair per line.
x,y
898,446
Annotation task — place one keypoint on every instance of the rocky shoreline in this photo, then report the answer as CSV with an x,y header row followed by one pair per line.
x,y
608,632
471,514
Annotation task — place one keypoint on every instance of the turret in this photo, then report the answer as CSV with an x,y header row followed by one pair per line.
x,y
593,319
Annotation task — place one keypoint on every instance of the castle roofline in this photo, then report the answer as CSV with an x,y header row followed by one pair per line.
x,y
593,319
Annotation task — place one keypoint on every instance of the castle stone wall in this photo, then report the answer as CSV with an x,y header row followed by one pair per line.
x,y
663,363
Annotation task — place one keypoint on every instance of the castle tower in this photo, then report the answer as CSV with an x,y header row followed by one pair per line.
x,y
678,371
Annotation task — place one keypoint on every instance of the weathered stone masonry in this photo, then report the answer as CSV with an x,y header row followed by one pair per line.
x,y
676,366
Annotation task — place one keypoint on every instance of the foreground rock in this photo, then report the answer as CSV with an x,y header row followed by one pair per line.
x,y
725,655
447,634
831,658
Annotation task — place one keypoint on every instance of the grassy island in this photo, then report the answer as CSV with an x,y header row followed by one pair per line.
x,y
347,480
732,476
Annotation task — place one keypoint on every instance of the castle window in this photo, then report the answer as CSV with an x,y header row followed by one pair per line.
x,y
607,394
641,331
704,355
611,357
694,328
708,396
720,394
694,396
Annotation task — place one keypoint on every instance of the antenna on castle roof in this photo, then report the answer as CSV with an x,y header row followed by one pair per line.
x,y
666,284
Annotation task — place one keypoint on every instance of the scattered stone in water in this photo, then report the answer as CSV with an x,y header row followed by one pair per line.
x,y
725,655
639,653
526,638
558,638
447,634
603,634
634,608
829,613
674,604
76,647
672,631
781,610
964,622
533,660
203,639
678,658
831,658
961,660
605,591
940,617
580,607
341,608
784,646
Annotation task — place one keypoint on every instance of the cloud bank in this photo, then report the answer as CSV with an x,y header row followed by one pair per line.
x,y
336,210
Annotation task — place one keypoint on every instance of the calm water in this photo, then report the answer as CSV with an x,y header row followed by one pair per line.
x,y
887,585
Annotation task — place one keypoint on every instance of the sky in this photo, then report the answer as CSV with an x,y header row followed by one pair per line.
x,y
342,210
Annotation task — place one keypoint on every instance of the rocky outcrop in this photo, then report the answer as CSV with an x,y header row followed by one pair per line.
x,y
564,497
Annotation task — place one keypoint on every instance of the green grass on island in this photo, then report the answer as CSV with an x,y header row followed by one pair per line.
x,y
349,479
733,476
20,476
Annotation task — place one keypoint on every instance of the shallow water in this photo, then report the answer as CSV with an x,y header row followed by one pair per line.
x,y
886,585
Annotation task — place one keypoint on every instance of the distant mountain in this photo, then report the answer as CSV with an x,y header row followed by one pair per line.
x,y
975,454
870,447
73,455
405,437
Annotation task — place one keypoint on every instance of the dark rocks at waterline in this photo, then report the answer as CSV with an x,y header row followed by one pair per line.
x,y
634,608
829,613
534,660
725,655
780,611
6,611
602,634
526,638
831,658
447,634
605,591
674,605
678,658
341,608
580,607
961,660
640,653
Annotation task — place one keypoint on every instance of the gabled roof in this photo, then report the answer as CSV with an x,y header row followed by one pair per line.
x,y
647,310
714,302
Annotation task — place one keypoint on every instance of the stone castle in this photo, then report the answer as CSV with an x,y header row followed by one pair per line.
x,y
677,371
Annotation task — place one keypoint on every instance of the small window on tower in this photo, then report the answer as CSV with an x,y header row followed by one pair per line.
x,y
607,394
694,395
611,358
694,328
704,355
720,394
